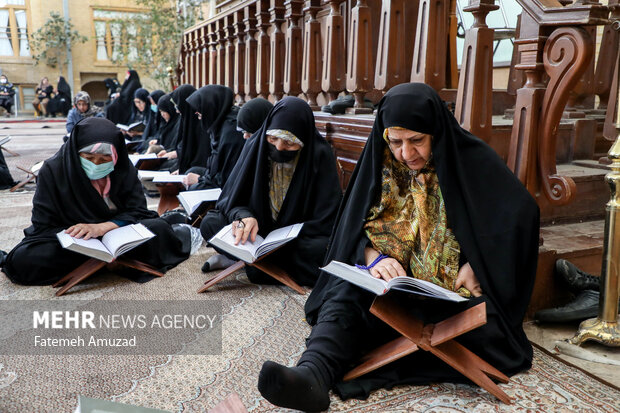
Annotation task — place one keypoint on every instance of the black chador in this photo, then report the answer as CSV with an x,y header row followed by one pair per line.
x,y
493,218
65,196
312,197
121,108
193,146
252,115
168,131
219,124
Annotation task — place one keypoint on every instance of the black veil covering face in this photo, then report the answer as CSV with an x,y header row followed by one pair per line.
x,y
493,217
219,123
193,148
65,196
120,110
312,197
252,115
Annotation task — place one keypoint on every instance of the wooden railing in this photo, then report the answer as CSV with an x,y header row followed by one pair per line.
x,y
319,49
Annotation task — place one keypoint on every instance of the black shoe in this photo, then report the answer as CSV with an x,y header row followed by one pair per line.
x,y
584,306
576,279
3,255
206,267
339,105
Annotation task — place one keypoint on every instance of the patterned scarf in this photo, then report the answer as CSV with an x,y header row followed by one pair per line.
x,y
409,223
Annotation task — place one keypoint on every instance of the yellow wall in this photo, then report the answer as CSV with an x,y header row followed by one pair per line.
x,y
23,71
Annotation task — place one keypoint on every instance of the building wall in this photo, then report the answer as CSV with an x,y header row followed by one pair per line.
x,y
88,70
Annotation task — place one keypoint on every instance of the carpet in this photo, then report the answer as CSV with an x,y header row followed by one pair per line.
x,y
259,323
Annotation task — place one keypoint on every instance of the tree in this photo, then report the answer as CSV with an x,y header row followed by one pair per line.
x,y
49,43
152,40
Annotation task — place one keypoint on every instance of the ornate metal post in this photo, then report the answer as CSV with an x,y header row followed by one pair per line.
x,y
605,329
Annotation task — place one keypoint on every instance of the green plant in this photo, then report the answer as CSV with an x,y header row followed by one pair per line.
x,y
50,42
156,35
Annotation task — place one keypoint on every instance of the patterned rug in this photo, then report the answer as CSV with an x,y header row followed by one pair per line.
x,y
259,323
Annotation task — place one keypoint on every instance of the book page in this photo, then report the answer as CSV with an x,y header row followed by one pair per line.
x,y
116,239
226,241
91,247
169,178
192,199
145,175
135,158
278,237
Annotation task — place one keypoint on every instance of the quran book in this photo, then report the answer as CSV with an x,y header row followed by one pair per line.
x,y
379,286
112,245
171,179
252,251
148,161
134,127
146,175
196,202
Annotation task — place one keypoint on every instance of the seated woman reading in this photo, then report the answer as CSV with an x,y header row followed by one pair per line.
x,y
285,175
87,189
429,200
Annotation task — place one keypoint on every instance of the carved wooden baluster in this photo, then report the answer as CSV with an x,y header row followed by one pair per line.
x,y
334,58
474,98
278,49
311,69
516,77
452,77
263,52
204,55
195,67
523,151
294,51
581,98
567,54
239,67
431,43
229,59
182,65
251,46
213,55
396,32
606,59
360,65
221,52
190,59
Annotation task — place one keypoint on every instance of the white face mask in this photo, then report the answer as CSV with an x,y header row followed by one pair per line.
x,y
2,80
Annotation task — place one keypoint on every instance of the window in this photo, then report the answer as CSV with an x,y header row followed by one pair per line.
x,y
13,28
111,36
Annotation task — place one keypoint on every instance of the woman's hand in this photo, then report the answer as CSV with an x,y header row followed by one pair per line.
x,y
387,268
174,172
88,231
153,142
244,229
191,179
466,278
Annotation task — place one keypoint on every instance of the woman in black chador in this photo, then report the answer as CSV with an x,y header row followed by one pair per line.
x,y
88,188
121,108
427,199
285,175
213,104
252,115
61,102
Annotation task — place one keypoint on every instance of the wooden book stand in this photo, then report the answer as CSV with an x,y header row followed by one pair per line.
x,y
436,338
30,177
262,264
93,265
168,196
232,404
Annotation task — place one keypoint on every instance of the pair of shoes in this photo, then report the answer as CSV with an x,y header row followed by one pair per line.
x,y
339,105
584,306
576,279
3,255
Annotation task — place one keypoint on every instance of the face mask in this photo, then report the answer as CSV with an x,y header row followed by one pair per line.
x,y
154,108
280,156
94,171
2,80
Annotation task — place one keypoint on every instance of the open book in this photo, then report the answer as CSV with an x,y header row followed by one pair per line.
x,y
112,245
134,127
171,179
195,202
147,161
379,286
251,251
146,175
